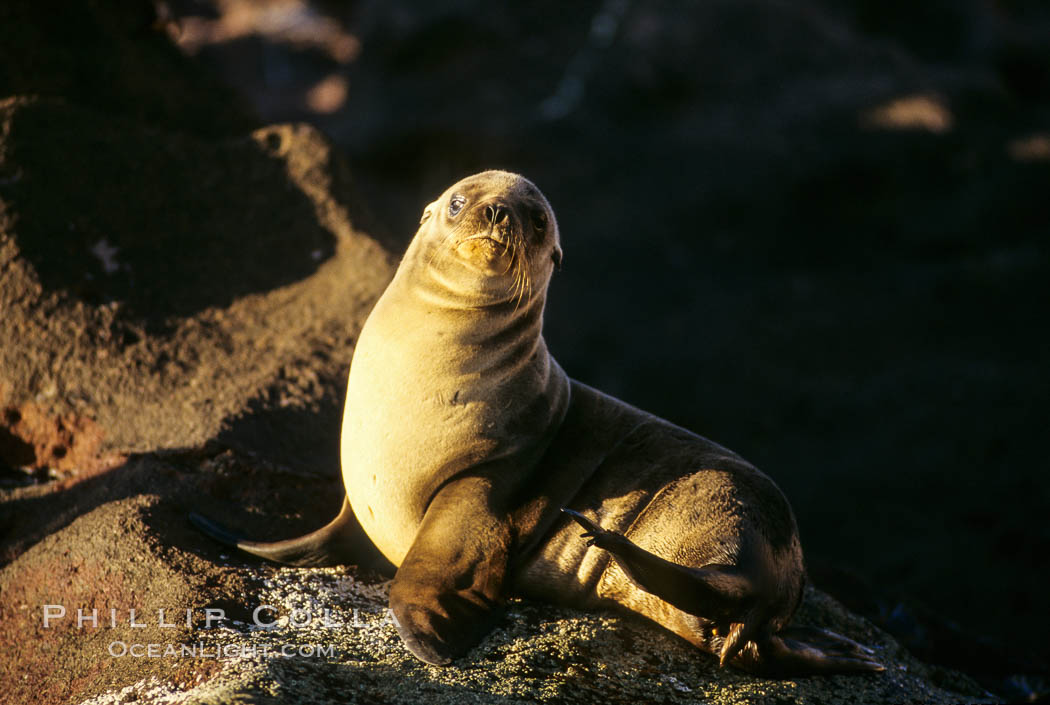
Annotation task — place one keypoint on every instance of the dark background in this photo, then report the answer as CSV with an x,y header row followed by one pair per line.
x,y
815,232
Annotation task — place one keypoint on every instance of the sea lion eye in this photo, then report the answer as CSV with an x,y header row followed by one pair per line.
x,y
539,220
456,205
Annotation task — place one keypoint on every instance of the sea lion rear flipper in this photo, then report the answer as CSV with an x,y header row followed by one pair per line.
x,y
712,591
802,651
340,542
724,594
447,594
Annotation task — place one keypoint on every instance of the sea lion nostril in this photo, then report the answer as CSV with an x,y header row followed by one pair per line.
x,y
495,213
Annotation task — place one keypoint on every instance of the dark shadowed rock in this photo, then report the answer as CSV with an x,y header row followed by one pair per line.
x,y
113,57
143,300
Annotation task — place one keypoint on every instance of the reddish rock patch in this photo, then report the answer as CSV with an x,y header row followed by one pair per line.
x,y
107,561
45,446
67,444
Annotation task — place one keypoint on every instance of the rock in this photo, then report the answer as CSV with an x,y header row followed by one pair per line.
x,y
106,558
125,545
156,341
113,57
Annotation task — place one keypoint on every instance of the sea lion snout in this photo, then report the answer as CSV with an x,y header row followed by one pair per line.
x,y
494,234
497,221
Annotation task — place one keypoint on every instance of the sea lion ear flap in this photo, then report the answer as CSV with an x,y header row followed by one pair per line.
x,y
556,257
426,214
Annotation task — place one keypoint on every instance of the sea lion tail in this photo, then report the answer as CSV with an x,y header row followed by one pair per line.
x,y
336,543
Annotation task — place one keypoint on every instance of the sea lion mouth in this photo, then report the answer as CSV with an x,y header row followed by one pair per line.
x,y
497,237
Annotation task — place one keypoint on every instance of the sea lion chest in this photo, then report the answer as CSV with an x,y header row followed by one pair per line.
x,y
430,394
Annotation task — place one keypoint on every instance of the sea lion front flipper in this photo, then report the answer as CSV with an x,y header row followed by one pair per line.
x,y
447,594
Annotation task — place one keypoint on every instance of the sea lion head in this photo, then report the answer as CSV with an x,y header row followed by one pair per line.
x,y
492,236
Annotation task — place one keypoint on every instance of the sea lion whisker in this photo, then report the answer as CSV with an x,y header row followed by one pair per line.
x,y
522,277
513,251
525,291
515,288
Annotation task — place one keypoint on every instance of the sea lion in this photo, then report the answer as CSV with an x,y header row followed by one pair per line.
x,y
463,440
